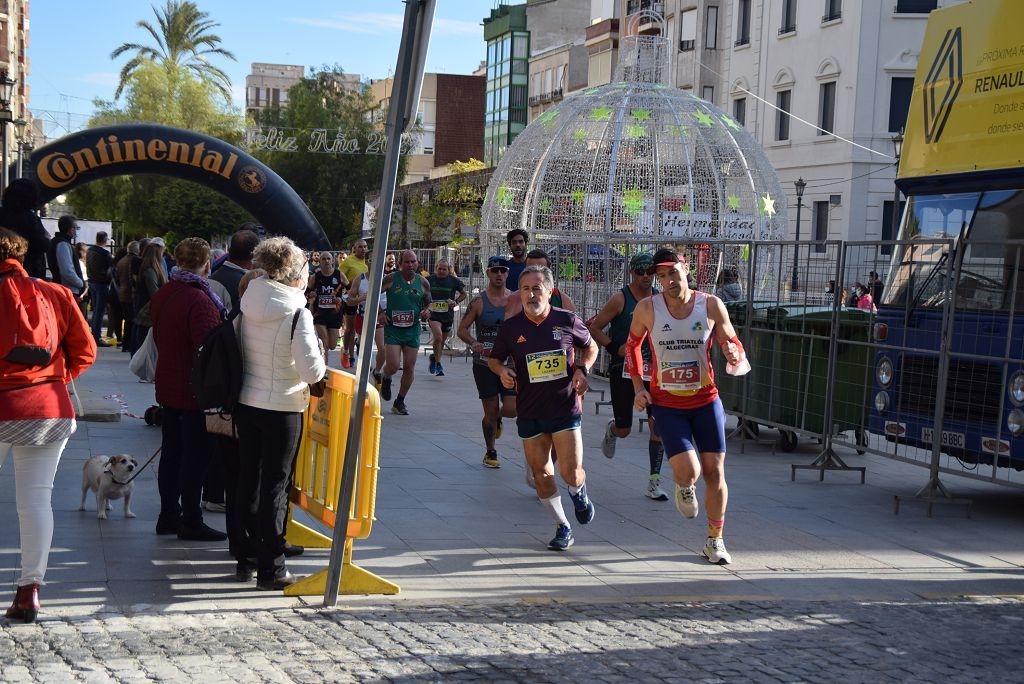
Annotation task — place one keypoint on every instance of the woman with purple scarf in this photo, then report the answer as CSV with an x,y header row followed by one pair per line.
x,y
183,311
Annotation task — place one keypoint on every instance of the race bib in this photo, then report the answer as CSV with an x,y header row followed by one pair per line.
x,y
488,346
403,319
645,372
546,366
440,306
679,376
325,301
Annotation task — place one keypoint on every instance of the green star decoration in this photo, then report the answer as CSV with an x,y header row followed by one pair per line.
x,y
734,202
767,205
580,134
633,199
730,123
685,207
601,113
577,196
679,131
503,196
636,131
545,205
569,270
703,118
547,119
640,114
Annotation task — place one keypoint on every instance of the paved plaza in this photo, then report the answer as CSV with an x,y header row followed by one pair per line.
x,y
826,584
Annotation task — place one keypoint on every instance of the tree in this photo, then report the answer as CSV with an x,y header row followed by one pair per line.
x,y
335,122
183,45
455,203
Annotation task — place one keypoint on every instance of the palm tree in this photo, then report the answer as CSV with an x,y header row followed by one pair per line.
x,y
182,41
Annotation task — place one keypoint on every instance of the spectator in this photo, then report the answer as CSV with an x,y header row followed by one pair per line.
x,y
37,420
115,314
18,213
830,289
182,313
239,260
875,286
730,289
64,264
863,296
282,356
123,270
151,277
98,262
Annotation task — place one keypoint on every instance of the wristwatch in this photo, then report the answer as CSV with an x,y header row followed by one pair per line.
x,y
583,369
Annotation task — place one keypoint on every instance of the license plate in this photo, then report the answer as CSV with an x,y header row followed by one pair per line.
x,y
949,439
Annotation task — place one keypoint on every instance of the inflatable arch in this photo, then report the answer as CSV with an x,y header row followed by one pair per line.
x,y
129,149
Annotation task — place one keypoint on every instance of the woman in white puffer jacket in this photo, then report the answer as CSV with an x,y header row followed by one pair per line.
x,y
281,356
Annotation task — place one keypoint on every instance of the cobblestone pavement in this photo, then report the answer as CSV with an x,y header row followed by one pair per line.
x,y
787,641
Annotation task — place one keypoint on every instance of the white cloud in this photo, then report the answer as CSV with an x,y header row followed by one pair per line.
x,y
103,78
379,23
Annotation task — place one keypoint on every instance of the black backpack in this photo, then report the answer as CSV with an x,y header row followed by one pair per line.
x,y
216,376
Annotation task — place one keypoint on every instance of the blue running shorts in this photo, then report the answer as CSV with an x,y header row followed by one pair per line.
x,y
701,429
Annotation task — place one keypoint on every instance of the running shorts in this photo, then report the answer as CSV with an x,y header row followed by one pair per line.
x,y
701,429
329,319
446,321
622,397
488,384
531,428
406,337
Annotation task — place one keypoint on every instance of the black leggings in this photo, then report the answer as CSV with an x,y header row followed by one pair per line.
x,y
268,442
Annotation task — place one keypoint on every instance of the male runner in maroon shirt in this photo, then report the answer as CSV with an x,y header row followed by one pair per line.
x,y
549,380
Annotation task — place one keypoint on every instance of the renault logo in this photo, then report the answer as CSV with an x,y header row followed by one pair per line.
x,y
942,85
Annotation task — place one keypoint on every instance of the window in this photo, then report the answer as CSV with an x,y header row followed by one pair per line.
x,y
743,22
739,110
888,231
915,6
711,29
827,108
708,93
688,29
547,83
426,142
535,89
819,219
782,101
788,16
521,46
833,10
899,102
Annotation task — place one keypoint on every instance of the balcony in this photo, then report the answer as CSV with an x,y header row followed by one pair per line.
x,y
534,100
788,28
647,25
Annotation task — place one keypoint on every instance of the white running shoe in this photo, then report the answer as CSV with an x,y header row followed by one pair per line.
x,y
686,501
654,490
608,443
714,551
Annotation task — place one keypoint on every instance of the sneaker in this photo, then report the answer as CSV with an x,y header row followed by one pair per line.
x,y
491,459
377,379
563,538
214,507
497,430
608,443
102,343
439,369
399,408
686,501
654,490
292,550
433,364
277,582
346,362
714,551
583,506
385,389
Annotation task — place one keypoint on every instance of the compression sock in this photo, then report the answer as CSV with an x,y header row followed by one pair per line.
x,y
715,528
656,453
400,399
553,505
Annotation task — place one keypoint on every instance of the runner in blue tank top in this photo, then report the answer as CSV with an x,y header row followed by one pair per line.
x,y
550,380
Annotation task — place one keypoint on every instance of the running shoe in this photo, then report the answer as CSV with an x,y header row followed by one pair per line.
x,y
686,501
433,364
654,490
399,408
491,459
563,538
714,551
376,380
583,506
346,362
608,443
438,369
385,389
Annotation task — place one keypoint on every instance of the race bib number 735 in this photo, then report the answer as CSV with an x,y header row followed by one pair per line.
x,y
546,366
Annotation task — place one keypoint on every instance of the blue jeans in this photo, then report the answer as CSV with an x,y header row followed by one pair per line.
x,y
98,295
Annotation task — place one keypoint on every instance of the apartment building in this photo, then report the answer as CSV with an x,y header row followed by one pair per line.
x,y
267,85
19,130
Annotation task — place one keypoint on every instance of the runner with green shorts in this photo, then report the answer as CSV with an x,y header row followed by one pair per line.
x,y
408,303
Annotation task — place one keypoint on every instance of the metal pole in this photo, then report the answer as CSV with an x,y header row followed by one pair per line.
x,y
412,50
3,141
796,248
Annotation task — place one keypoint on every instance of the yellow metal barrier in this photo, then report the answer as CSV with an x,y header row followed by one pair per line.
x,y
318,471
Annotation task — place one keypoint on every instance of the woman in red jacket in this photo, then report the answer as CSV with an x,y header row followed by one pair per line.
x,y
183,311
36,420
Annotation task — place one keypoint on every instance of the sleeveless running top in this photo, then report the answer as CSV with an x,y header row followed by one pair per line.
x,y
326,289
682,373
487,327
618,331
405,301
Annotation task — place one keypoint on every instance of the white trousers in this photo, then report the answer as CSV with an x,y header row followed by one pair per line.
x,y
34,470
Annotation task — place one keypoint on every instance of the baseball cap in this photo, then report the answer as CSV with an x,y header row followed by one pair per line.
x,y
641,262
665,257
497,261
157,241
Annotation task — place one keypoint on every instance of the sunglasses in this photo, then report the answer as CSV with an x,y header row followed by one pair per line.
x,y
498,269
640,271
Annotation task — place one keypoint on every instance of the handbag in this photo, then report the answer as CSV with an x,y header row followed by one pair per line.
x,y
143,363
218,423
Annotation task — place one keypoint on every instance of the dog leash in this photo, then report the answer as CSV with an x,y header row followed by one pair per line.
x,y
139,471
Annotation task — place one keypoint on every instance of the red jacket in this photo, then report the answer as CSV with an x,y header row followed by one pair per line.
x,y
41,392
182,315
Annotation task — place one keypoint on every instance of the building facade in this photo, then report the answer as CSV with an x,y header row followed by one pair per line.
x,y
507,86
18,128
267,85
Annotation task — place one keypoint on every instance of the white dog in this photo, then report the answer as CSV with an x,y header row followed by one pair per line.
x,y
109,477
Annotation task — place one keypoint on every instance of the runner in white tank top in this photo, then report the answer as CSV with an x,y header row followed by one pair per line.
x,y
683,397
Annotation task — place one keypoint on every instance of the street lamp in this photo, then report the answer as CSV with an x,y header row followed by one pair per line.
x,y
800,184
6,95
897,146
19,134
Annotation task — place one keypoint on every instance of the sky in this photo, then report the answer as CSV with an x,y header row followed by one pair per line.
x,y
70,42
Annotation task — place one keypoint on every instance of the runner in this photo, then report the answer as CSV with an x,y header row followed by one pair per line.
x,y
324,295
517,240
352,267
618,312
683,397
487,311
559,300
447,291
389,264
550,380
357,297
408,303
